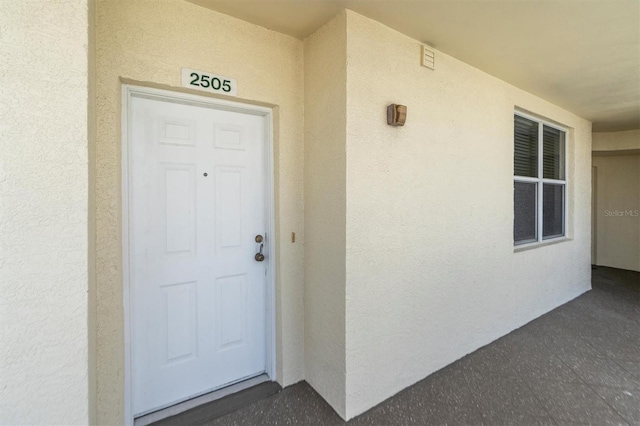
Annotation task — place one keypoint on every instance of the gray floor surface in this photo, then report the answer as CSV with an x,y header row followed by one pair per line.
x,y
577,365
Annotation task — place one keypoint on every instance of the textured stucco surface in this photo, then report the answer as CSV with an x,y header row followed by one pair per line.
x,y
431,269
150,41
616,211
616,141
325,202
91,248
43,212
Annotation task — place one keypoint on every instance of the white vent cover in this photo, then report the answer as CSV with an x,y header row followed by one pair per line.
x,y
428,58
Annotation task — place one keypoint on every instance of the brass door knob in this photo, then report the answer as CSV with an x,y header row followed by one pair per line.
x,y
259,256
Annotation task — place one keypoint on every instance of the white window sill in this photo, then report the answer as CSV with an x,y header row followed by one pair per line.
x,y
544,243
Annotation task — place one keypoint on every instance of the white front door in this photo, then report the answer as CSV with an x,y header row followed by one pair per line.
x,y
196,204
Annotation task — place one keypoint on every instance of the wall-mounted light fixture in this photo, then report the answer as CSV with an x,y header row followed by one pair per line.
x,y
396,115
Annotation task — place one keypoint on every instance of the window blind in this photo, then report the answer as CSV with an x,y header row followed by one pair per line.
x,y
525,157
552,148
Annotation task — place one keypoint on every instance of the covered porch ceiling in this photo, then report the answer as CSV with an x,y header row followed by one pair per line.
x,y
581,55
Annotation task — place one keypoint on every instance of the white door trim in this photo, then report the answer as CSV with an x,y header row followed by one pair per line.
x,y
128,91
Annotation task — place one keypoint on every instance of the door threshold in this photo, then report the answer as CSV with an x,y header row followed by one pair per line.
x,y
197,404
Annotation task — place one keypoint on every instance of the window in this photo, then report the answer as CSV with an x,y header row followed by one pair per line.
x,y
539,180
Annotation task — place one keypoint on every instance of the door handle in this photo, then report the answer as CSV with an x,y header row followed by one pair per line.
x,y
259,256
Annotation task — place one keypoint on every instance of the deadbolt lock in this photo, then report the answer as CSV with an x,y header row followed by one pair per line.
x,y
259,239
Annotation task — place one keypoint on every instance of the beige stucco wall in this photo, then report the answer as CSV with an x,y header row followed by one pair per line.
x,y
325,201
617,211
616,141
431,271
150,41
91,247
43,212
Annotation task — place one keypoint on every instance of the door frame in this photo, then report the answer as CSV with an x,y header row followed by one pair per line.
x,y
129,91
594,213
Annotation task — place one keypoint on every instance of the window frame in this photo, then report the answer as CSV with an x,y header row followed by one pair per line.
x,y
541,180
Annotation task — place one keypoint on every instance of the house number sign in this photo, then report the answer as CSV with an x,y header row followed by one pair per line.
x,y
207,82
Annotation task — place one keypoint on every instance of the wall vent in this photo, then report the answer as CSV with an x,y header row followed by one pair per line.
x,y
428,58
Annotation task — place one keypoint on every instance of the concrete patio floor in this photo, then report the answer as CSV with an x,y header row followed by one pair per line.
x,y
579,364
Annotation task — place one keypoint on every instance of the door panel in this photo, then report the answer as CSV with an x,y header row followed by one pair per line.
x,y
196,203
